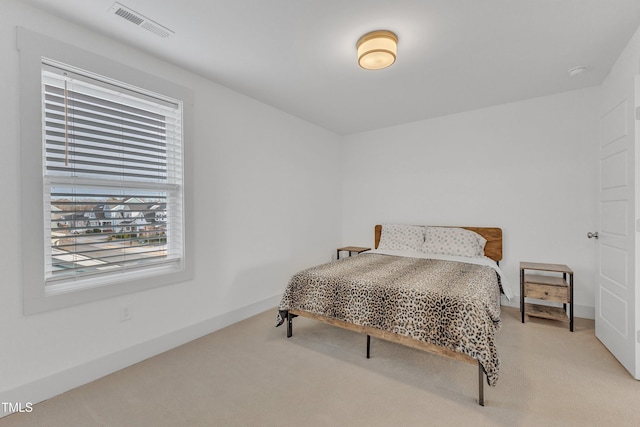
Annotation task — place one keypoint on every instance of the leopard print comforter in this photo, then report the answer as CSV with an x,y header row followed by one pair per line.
x,y
451,304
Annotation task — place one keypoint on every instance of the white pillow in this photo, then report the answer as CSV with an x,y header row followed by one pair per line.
x,y
400,237
453,241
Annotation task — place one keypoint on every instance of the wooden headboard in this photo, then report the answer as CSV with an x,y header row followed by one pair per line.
x,y
493,248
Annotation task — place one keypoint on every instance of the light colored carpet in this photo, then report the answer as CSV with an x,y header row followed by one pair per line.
x,y
250,374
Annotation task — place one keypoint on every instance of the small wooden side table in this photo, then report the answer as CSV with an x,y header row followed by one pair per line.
x,y
547,288
351,250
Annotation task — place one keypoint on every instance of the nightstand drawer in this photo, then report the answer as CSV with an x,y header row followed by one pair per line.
x,y
547,292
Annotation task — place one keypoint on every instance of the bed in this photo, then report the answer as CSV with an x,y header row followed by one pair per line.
x,y
435,289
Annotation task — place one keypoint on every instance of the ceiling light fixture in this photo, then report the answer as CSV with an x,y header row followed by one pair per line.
x,y
377,49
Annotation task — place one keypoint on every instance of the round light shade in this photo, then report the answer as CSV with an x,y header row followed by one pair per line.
x,y
377,49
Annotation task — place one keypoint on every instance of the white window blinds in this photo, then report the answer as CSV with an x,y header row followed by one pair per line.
x,y
112,179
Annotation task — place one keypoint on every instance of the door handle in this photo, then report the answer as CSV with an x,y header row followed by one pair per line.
x,y
592,235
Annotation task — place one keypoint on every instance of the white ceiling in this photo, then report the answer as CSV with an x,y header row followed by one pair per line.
x,y
453,55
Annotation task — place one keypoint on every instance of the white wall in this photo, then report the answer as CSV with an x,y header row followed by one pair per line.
x,y
265,205
527,167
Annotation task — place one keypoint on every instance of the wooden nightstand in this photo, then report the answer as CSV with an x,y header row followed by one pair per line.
x,y
547,288
351,250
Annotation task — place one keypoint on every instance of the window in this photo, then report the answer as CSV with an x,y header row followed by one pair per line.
x,y
103,179
112,179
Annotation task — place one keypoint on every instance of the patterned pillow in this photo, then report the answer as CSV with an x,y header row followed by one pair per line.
x,y
401,237
453,241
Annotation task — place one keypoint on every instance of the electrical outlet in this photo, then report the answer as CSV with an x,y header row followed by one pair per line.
x,y
126,312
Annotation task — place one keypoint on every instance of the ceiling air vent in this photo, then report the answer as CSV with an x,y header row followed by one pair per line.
x,y
140,20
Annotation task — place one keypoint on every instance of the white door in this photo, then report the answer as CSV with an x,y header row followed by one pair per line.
x,y
615,288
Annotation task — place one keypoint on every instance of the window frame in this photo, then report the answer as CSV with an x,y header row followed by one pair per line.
x,y
33,48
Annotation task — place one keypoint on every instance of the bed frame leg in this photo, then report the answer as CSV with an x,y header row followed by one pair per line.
x,y
368,346
480,385
289,325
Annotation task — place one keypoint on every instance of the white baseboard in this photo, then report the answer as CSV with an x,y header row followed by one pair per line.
x,y
60,382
